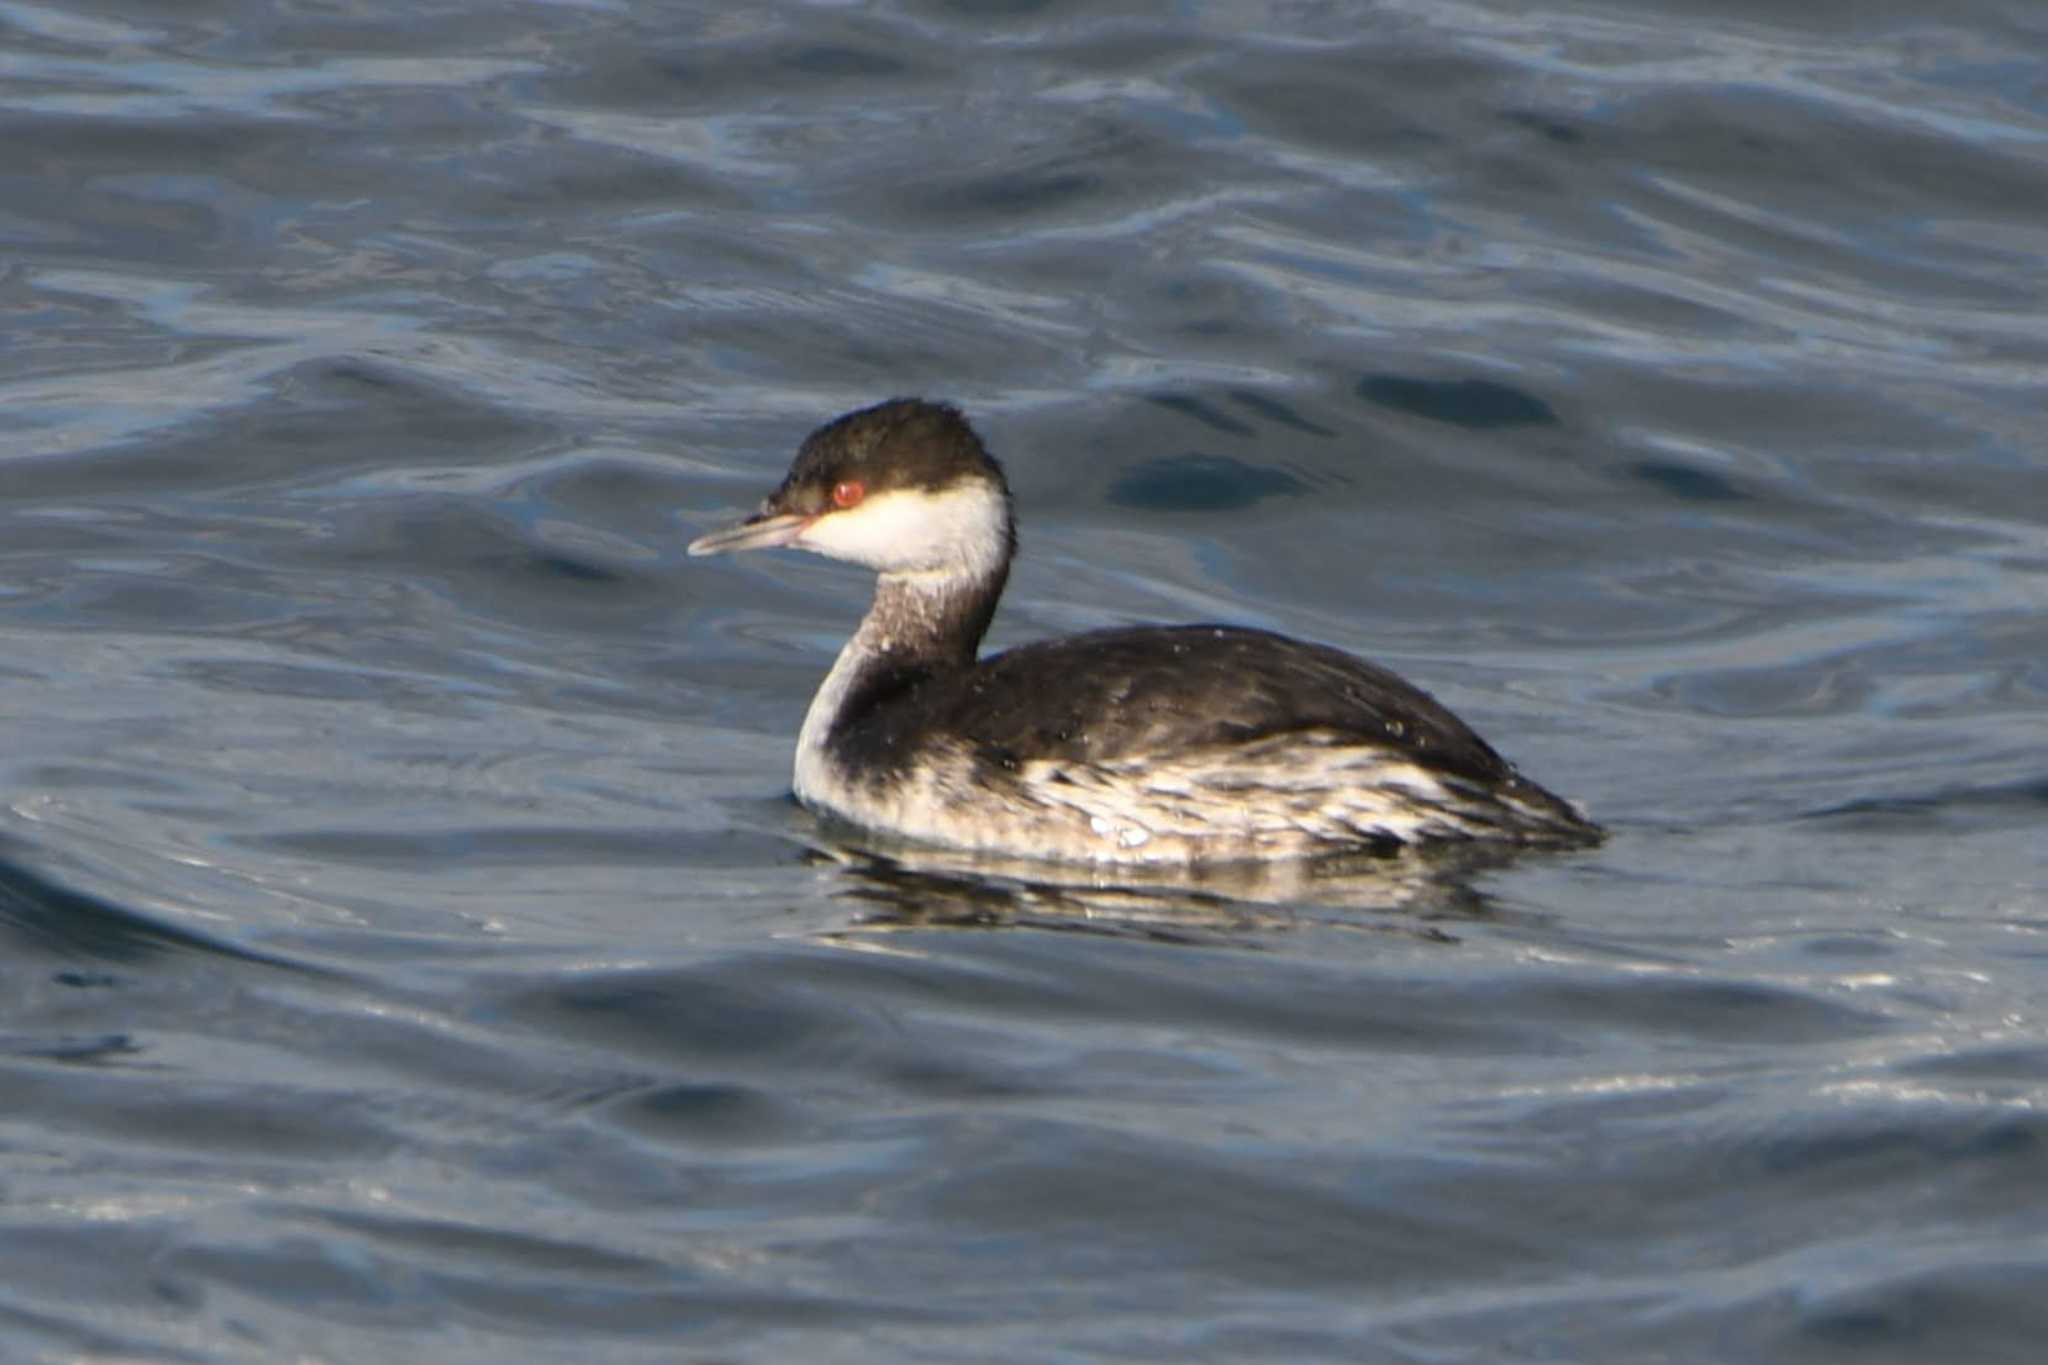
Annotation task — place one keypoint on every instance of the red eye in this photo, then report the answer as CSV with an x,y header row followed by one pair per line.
x,y
848,494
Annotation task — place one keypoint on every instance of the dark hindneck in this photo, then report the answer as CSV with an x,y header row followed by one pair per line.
x,y
920,625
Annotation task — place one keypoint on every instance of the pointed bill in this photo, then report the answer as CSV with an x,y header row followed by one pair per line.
x,y
755,533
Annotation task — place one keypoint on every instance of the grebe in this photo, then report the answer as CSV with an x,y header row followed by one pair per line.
x,y
1152,744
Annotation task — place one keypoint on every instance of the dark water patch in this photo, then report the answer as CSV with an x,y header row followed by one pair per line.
x,y
1105,1198
996,9
513,1250
99,777
245,677
1850,947
1065,979
720,1112
1371,101
495,557
1275,411
63,1337
563,570
963,1022
1844,1302
681,1018
812,65
108,1265
1854,1153
1475,404
1547,125
86,981
1008,195
547,590
267,1127
1980,1310
661,1318
832,60
77,177
2019,802
1867,1170
427,531
1687,482
332,1282
1079,170
1194,482
197,592
598,180
1203,411
71,1050
57,919
374,401
1699,1011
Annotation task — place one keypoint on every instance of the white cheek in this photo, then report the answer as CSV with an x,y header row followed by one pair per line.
x,y
905,532
879,533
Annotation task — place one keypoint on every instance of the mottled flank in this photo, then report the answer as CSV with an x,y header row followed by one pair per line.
x,y
1289,795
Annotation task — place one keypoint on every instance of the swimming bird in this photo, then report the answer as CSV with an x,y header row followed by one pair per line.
x,y
1186,744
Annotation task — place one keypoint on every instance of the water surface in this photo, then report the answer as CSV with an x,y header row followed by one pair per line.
x,y
410,950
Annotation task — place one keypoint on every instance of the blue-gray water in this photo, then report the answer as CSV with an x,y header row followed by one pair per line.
x,y
407,949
